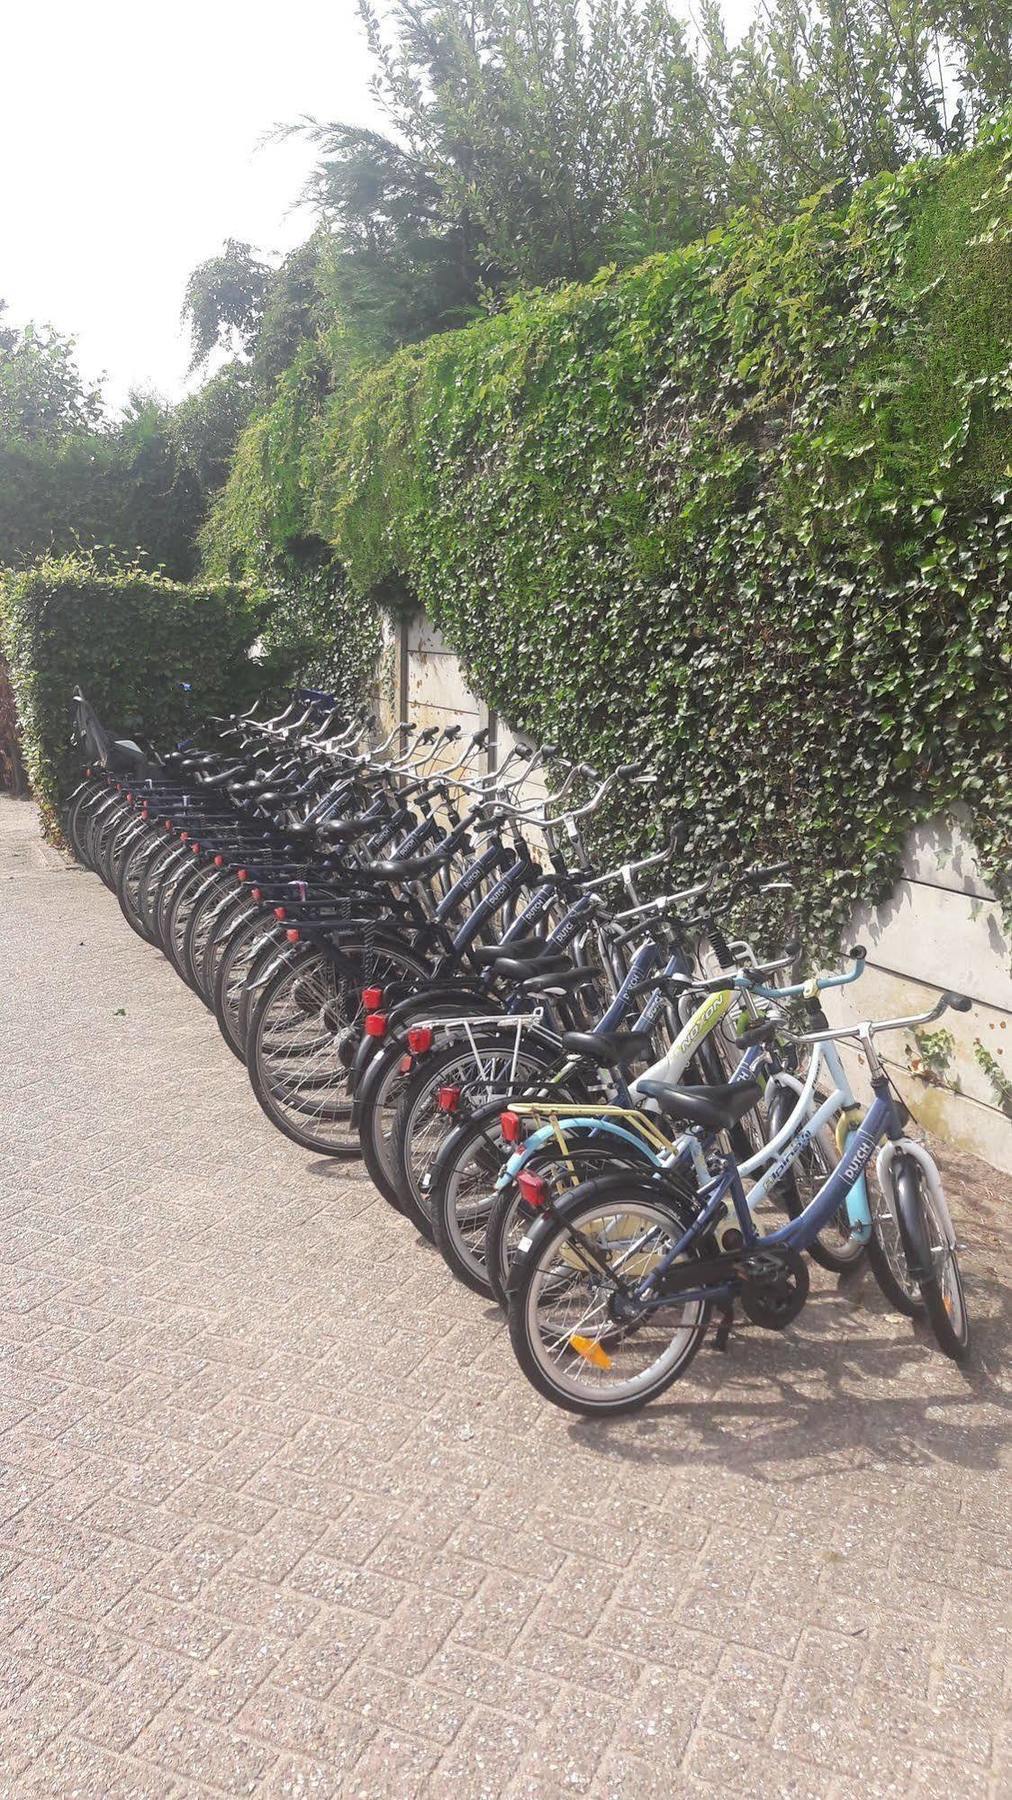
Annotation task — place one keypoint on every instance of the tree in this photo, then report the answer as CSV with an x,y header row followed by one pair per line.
x,y
830,92
43,396
527,141
224,302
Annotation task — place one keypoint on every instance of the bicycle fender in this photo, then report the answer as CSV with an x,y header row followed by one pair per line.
x,y
907,1147
545,1134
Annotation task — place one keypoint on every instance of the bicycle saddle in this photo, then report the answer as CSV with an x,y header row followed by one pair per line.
x,y
608,1049
716,1108
486,954
513,968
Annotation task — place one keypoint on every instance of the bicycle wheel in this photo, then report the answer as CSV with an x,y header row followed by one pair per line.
x,y
486,1071
75,814
156,873
132,869
577,1333
303,1031
837,1246
202,882
254,943
931,1257
378,1099
234,912
510,1218
886,1255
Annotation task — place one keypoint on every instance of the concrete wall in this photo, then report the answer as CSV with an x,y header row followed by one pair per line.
x,y
942,929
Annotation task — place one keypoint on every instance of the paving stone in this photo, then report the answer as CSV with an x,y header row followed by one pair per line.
x,y
256,1538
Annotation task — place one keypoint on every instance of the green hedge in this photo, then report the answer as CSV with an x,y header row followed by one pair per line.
x,y
128,639
743,508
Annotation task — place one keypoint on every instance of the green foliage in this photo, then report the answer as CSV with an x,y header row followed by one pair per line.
x,y
742,508
43,399
1001,1085
129,638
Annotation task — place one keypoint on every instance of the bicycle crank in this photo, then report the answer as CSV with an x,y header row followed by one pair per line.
x,y
775,1288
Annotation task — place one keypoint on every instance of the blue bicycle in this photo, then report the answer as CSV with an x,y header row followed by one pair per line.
x,y
612,1288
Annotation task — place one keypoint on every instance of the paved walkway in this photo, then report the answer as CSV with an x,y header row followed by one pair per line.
x,y
279,1516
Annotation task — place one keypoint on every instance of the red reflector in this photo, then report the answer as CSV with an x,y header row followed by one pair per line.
x,y
219,862
448,1099
292,934
242,874
406,1065
280,913
372,998
195,848
419,1039
168,824
533,1188
376,1025
183,835
129,794
257,893
509,1125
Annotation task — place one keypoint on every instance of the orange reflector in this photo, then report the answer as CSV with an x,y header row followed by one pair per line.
x,y
419,1039
590,1351
376,1025
509,1125
533,1188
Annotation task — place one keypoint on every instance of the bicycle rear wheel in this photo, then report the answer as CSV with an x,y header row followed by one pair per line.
x,y
577,1333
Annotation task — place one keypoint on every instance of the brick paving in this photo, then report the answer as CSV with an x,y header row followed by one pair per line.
x,y
278,1516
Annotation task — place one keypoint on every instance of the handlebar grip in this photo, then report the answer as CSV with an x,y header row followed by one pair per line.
x,y
625,770
859,953
959,1002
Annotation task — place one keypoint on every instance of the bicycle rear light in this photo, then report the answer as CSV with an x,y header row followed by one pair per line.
x,y
406,1065
219,862
533,1188
509,1125
376,1025
420,1039
372,998
448,1099
242,874
292,934
257,893
280,913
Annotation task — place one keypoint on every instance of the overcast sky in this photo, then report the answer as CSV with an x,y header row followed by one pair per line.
x,y
128,145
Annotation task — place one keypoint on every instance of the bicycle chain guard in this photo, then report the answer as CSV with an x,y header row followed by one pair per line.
x,y
775,1288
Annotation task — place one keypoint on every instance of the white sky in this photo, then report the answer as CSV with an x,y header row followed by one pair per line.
x,y
128,136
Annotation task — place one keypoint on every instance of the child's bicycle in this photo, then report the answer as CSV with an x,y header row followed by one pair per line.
x,y
612,1287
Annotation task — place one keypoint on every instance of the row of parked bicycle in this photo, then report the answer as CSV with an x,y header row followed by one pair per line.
x,y
598,1106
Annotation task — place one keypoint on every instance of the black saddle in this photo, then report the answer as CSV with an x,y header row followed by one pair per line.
x,y
716,1108
608,1049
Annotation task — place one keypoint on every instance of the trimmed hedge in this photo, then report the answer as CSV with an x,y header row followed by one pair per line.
x,y
128,639
744,508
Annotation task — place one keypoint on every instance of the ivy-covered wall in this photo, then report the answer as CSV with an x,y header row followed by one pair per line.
x,y
746,508
129,639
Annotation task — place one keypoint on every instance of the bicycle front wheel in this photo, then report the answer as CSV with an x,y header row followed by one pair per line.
x,y
931,1258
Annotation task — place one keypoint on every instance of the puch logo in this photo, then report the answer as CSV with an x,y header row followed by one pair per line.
x,y
797,1145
